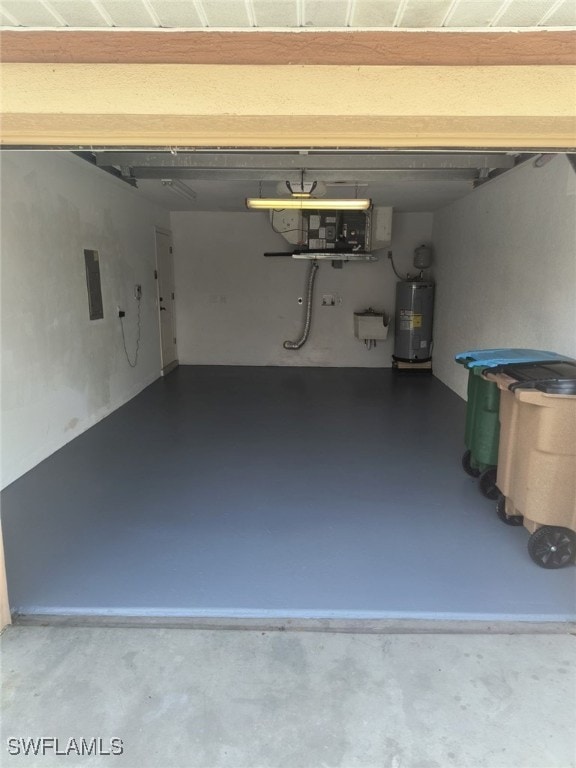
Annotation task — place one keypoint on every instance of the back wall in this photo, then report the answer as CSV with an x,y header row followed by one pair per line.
x,y
236,307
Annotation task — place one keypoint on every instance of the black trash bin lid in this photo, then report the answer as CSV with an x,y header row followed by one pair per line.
x,y
557,377
558,387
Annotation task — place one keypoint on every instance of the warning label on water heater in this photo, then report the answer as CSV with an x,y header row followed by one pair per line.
x,y
409,320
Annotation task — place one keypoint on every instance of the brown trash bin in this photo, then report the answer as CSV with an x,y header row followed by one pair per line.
x,y
537,467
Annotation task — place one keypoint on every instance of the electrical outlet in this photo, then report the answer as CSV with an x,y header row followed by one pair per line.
x,y
121,312
328,300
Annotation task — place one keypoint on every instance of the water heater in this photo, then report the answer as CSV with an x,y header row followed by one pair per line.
x,y
413,326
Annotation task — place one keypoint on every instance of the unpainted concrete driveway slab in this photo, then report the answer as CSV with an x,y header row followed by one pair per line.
x,y
181,698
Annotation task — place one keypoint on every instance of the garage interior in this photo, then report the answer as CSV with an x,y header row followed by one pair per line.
x,y
179,461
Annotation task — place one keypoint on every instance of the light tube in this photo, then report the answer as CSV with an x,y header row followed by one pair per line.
x,y
314,204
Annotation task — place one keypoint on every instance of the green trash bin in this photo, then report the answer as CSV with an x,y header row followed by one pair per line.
x,y
482,431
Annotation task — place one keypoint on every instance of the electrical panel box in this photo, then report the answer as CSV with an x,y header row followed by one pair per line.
x,y
324,230
93,284
338,230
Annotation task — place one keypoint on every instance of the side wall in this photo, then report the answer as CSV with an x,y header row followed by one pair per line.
x,y
505,266
236,307
61,372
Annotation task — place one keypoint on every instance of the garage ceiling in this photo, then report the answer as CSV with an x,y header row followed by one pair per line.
x,y
220,181
289,14
230,196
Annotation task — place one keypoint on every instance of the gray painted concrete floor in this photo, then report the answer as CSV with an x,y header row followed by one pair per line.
x,y
219,699
273,492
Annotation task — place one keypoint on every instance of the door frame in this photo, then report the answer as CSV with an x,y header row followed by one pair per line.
x,y
5,617
165,369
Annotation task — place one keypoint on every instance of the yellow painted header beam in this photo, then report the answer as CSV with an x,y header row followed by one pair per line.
x,y
180,89
205,105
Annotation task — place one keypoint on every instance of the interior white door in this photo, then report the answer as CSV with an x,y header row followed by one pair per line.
x,y
165,287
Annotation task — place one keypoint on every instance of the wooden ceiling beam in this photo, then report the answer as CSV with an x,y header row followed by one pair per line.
x,y
309,48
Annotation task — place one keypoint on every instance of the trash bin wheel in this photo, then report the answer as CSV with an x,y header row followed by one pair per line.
x,y
501,512
487,484
552,546
467,465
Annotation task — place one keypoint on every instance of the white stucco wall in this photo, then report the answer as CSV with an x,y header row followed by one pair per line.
x,y
236,307
505,267
61,372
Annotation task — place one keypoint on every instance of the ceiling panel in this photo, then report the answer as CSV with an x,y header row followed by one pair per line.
x,y
565,16
226,13
374,13
524,13
78,13
290,14
127,13
30,14
325,13
424,13
177,13
271,13
6,20
473,13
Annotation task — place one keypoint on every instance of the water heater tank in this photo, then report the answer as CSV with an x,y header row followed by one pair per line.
x,y
413,326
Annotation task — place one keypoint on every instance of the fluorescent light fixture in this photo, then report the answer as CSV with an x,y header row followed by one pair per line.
x,y
180,188
308,203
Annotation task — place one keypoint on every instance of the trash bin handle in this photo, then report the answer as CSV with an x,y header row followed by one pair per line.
x,y
501,379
